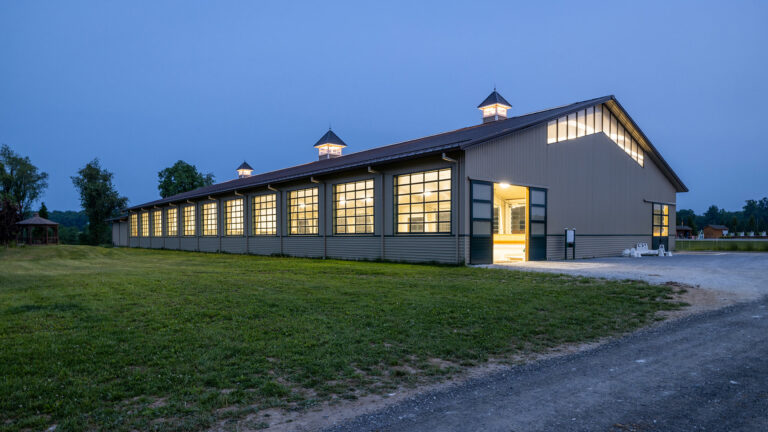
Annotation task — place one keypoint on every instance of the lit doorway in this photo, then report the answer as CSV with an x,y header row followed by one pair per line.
x,y
510,223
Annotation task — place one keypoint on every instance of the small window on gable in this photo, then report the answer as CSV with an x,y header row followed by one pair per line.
x,y
594,120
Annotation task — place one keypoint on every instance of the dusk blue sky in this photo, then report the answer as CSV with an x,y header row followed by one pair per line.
x,y
142,84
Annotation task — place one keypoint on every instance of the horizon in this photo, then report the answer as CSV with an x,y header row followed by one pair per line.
x,y
214,85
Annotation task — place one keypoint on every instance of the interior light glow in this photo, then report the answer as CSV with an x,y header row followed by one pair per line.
x,y
504,185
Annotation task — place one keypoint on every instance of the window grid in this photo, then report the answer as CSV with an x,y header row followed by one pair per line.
x,y
424,202
353,207
302,211
660,220
265,214
145,224
171,222
157,223
594,120
189,220
134,225
234,217
210,219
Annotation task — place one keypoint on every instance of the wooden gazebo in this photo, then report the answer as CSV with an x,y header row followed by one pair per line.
x,y
27,235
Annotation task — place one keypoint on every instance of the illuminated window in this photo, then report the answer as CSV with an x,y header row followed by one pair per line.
x,y
302,211
210,219
189,220
171,222
353,207
265,215
581,123
145,224
594,120
552,132
562,129
660,220
157,223
234,217
424,202
134,225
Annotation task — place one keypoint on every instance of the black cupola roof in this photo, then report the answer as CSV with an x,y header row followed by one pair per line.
x,y
330,138
494,98
245,166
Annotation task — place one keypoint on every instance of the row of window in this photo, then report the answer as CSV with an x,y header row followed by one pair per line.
x,y
594,120
423,205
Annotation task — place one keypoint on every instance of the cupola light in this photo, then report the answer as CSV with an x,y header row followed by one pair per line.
x,y
329,145
244,170
494,107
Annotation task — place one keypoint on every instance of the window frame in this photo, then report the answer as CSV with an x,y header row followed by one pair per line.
x,y
290,214
372,206
661,214
275,216
395,204
144,224
157,221
172,222
134,230
228,223
193,207
205,226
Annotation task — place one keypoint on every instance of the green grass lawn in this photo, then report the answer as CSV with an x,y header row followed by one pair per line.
x,y
722,245
128,339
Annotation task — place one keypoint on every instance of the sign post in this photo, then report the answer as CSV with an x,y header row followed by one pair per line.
x,y
570,242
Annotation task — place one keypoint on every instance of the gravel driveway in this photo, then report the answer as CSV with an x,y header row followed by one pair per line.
x,y
741,273
706,372
703,372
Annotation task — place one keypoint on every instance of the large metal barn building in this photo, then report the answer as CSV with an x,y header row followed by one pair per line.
x,y
500,191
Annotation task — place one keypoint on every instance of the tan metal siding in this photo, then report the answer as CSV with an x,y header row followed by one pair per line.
x,y
303,246
593,186
188,243
172,243
236,245
209,244
264,245
354,248
440,249
593,246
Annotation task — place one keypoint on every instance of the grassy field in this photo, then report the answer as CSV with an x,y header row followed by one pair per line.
x,y
126,339
722,245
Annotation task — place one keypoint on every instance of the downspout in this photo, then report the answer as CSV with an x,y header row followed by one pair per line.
x,y
381,213
325,216
458,202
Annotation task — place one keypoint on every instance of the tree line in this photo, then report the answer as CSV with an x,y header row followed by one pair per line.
x,y
753,217
22,184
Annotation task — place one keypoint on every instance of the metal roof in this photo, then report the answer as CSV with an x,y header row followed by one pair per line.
x,y
716,226
37,220
458,139
494,98
245,166
330,138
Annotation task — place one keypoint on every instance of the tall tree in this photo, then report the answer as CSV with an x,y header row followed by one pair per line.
x,y
20,181
181,177
9,215
43,212
712,215
99,199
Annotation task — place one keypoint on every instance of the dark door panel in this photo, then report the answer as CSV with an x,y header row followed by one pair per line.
x,y
481,222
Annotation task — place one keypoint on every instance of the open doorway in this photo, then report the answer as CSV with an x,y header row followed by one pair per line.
x,y
510,223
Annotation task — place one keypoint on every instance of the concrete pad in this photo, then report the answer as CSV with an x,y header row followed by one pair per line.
x,y
742,273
